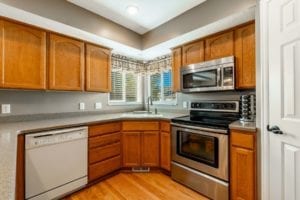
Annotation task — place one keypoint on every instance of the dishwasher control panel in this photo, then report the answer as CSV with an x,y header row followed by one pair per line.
x,y
56,136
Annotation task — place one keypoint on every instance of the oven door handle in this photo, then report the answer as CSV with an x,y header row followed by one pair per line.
x,y
200,128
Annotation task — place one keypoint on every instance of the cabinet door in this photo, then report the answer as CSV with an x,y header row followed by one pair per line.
x,y
165,150
242,174
66,63
22,56
97,69
131,149
193,53
176,65
245,57
150,148
219,46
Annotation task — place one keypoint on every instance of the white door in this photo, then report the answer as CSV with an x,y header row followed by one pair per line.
x,y
282,23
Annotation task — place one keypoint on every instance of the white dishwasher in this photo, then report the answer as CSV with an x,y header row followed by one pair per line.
x,y
55,163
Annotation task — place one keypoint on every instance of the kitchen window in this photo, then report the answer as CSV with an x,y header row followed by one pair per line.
x,y
125,88
160,88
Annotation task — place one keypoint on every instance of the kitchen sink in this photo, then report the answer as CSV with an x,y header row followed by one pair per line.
x,y
141,113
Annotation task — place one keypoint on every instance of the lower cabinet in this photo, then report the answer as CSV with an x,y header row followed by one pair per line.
x,y
243,165
140,144
104,155
165,145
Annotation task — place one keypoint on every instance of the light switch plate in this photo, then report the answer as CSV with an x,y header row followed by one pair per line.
x,y
98,105
81,106
5,108
185,104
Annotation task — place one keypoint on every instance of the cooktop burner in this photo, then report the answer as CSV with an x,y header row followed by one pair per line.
x,y
214,115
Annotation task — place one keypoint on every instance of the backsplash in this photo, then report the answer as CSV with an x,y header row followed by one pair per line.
x,y
41,102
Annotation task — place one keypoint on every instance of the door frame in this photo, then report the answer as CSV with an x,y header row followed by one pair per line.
x,y
262,91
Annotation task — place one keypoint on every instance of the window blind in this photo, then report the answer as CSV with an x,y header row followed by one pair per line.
x,y
131,87
155,86
161,87
116,93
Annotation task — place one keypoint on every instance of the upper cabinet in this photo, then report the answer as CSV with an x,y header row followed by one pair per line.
x,y
22,56
218,46
193,53
98,69
66,63
176,65
245,56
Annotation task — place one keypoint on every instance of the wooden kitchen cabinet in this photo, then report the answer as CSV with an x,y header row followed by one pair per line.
x,y
220,45
176,65
131,149
245,56
98,77
242,165
22,56
165,146
140,143
193,53
104,150
66,63
150,149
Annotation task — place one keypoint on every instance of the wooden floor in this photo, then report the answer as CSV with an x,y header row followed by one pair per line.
x,y
138,186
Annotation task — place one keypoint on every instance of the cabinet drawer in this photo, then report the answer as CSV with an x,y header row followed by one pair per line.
x,y
165,126
242,139
102,153
104,140
102,129
140,126
105,167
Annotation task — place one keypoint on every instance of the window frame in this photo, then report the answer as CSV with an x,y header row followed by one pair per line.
x,y
161,102
138,91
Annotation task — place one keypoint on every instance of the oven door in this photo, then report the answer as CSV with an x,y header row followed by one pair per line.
x,y
197,80
201,150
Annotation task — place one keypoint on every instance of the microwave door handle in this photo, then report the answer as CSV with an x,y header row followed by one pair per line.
x,y
219,77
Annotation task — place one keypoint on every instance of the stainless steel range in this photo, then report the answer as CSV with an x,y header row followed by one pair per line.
x,y
200,146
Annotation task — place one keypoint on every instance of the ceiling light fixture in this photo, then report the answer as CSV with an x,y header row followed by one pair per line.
x,y
132,10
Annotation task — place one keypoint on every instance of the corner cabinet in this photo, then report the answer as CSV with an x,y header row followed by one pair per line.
x,y
66,63
98,78
176,65
245,57
140,141
243,165
218,46
22,56
193,53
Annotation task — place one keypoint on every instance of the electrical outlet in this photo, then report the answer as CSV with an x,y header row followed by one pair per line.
x,y
98,105
81,106
185,104
5,108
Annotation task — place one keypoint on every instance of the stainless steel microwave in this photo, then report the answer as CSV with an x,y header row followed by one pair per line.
x,y
214,75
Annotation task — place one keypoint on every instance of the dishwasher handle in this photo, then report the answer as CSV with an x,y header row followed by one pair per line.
x,y
40,139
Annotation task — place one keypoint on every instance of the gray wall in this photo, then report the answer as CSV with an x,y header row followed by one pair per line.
x,y
40,102
67,13
202,15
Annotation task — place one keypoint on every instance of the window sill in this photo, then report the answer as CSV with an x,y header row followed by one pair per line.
x,y
165,103
124,103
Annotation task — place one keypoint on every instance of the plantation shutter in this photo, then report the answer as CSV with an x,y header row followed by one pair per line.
x,y
155,86
131,87
116,93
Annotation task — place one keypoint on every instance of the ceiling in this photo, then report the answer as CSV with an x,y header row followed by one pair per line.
x,y
151,14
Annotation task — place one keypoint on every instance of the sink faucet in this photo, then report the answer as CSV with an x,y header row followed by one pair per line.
x,y
149,102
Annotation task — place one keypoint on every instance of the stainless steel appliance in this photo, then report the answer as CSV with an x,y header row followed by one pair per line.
x,y
248,108
55,163
214,75
200,147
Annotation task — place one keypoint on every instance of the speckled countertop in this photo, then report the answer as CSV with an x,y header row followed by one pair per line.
x,y
10,131
243,126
